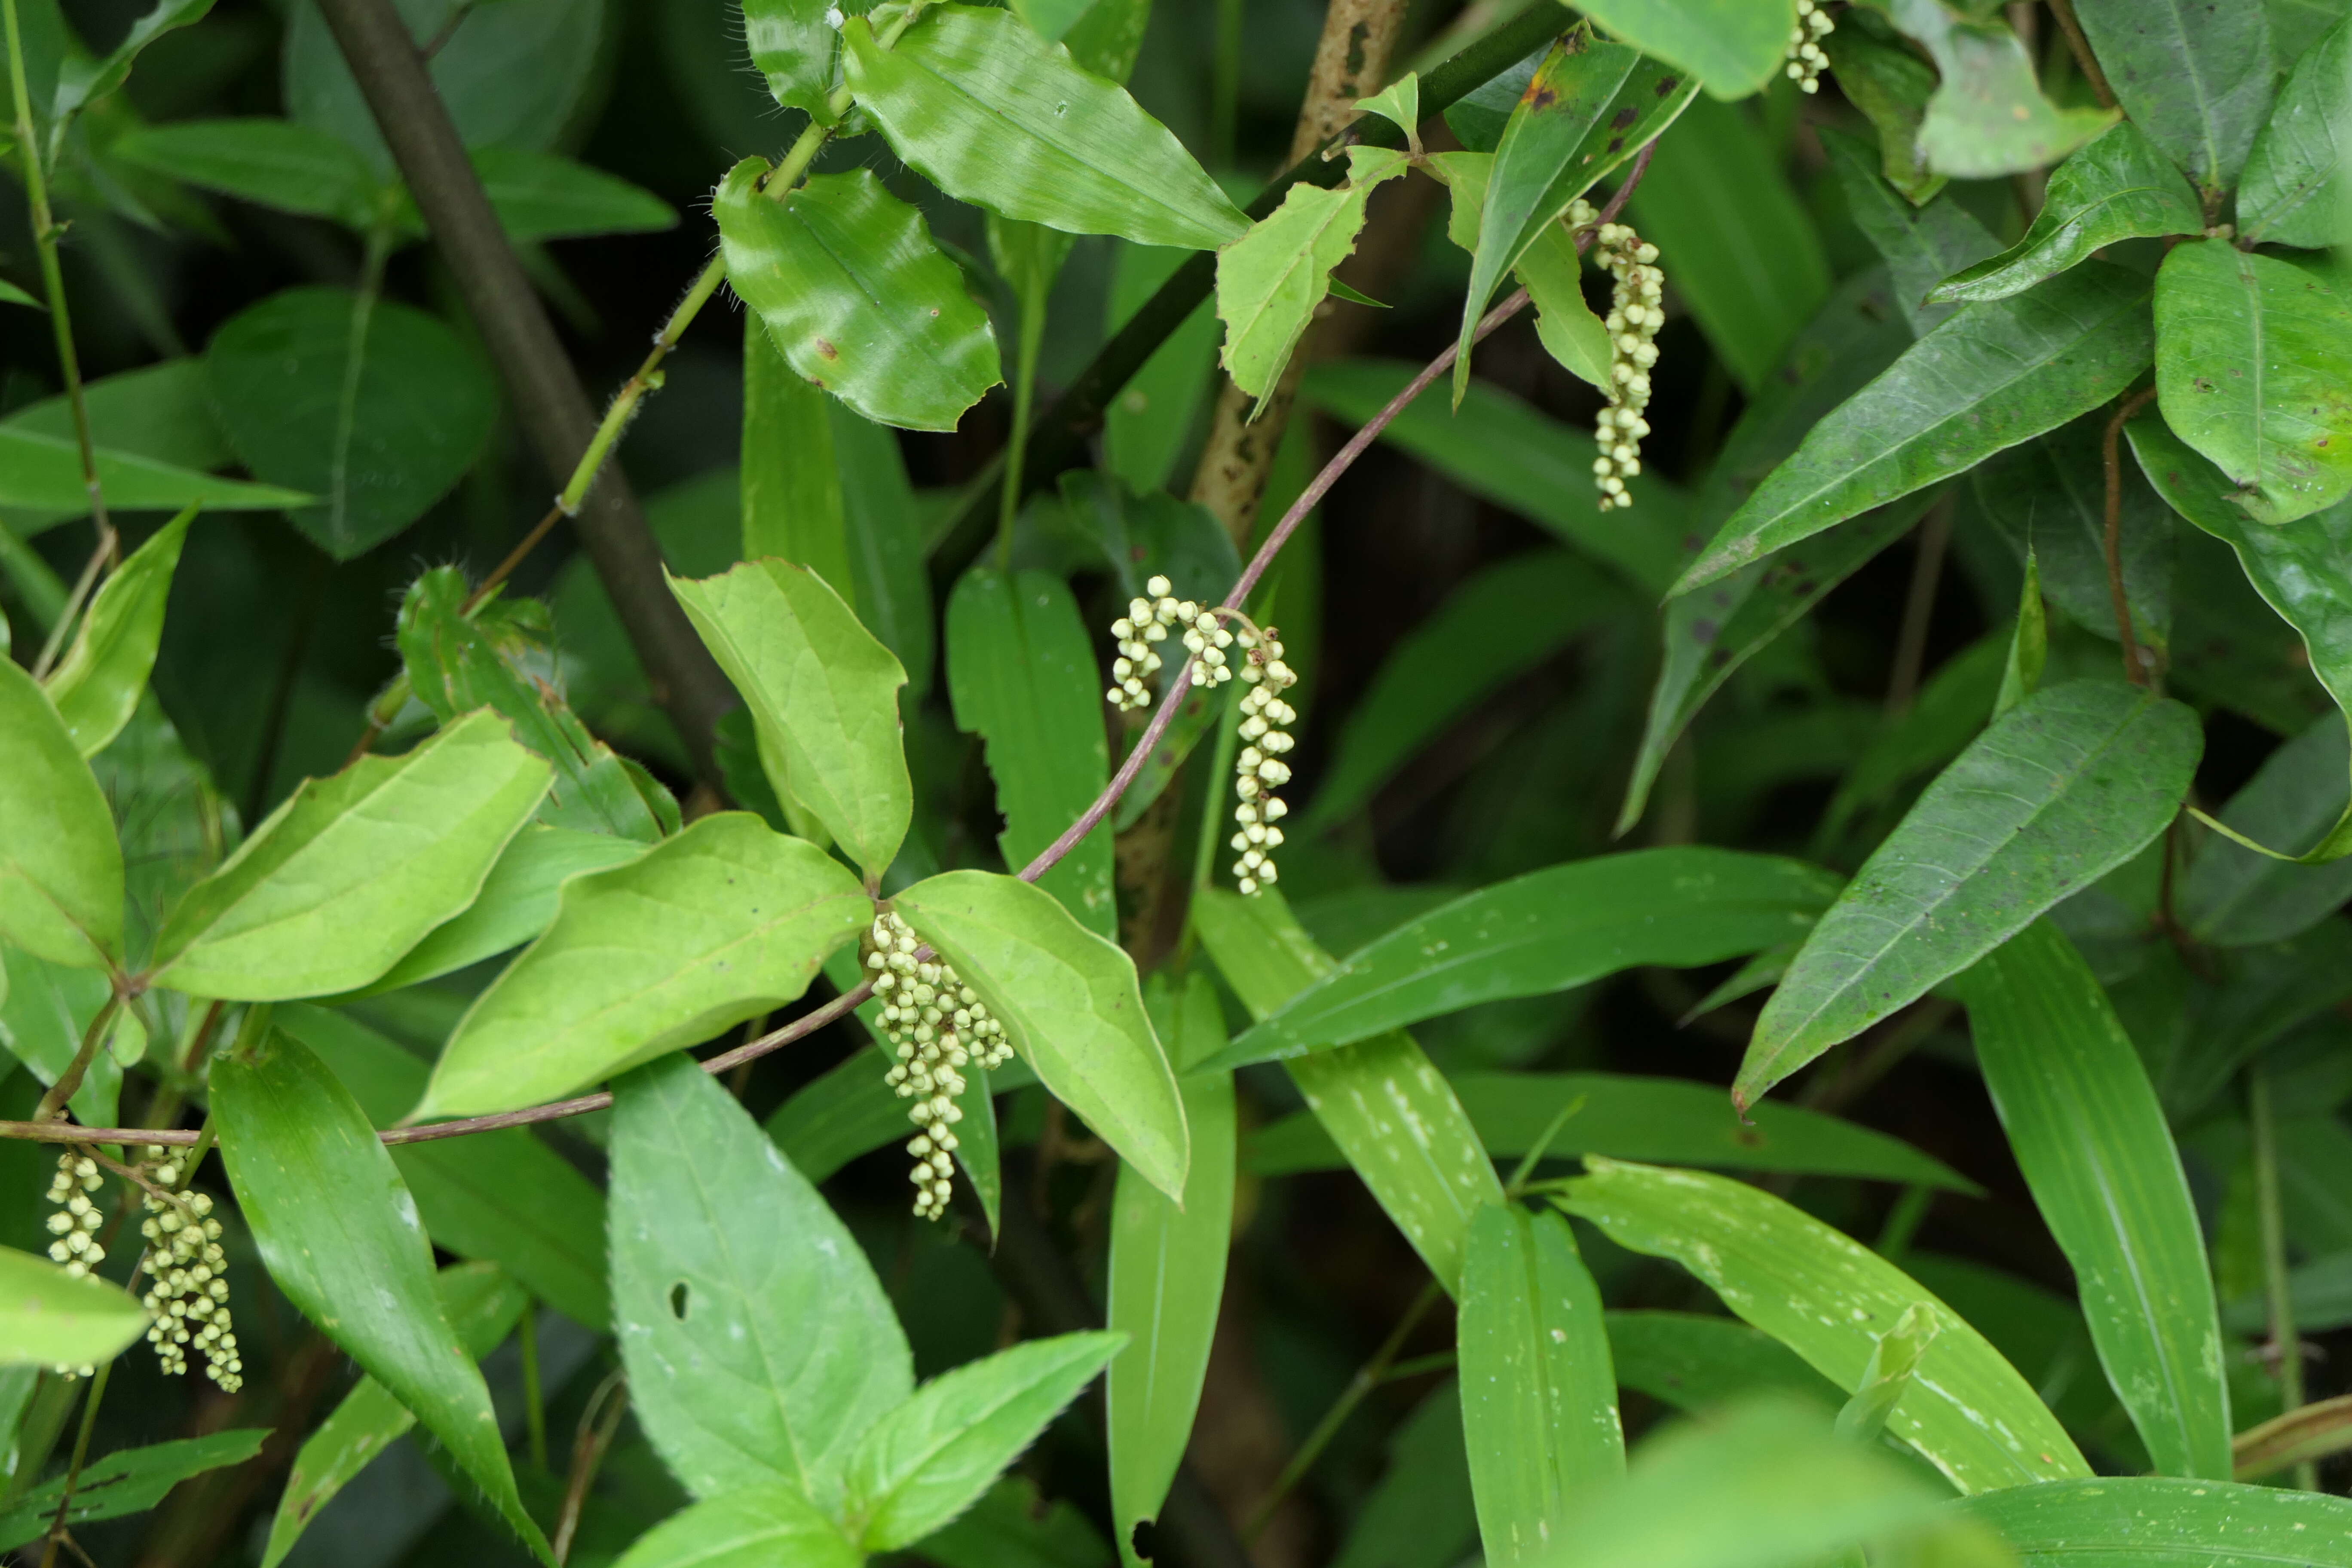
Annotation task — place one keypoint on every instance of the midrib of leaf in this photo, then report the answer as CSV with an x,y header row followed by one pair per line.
x,y
2253,288
2212,173
2176,1402
347,398
1550,1399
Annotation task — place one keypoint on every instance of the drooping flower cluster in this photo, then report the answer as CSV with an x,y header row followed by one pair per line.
x,y
1149,620
75,1224
190,1293
1259,769
1635,314
935,1026
1806,59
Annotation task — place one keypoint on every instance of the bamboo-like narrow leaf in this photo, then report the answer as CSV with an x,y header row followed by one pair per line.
x,y
97,684
42,472
2086,1129
49,1317
128,1480
2316,1431
1829,1299
1887,1378
1694,1363
2157,1519
2116,187
1271,281
60,863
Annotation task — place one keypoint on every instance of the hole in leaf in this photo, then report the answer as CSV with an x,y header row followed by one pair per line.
x,y
678,1300
1144,1538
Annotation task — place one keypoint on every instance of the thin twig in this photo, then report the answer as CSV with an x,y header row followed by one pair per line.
x,y
2065,11
598,1424
1920,608
70,1081
81,1457
2111,459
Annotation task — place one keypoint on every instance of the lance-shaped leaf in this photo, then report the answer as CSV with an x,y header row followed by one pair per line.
x,y
49,1318
1830,1299
1984,381
2160,1519
277,163
2293,193
1988,116
2061,790
1735,47
1167,1273
759,1345
1693,1362
1545,931
930,1458
2319,1430
347,876
1069,1004
128,1480
757,1527
1271,281
1887,1377
82,79
855,296
2237,897
60,863
793,44
726,921
97,684
340,1234
41,472
2250,359
2083,1121
517,902
993,114
2116,187
482,1304
1390,1111
1891,86
2196,78
1549,268
1922,244
823,691
1538,1393
2049,499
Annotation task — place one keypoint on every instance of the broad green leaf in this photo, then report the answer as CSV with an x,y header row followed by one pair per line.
x,y
1023,677
1271,281
341,1237
128,1480
996,116
726,921
1422,1513
378,439
1664,1120
1545,931
759,1345
60,863
1988,116
2294,190
1539,1393
791,479
503,1197
756,1526
1694,1363
353,869
1987,379
278,163
1508,619
516,905
1735,47
930,1458
1922,244
794,45
1399,103
544,195
97,684
2156,1518
1167,1274
45,1009
2049,496
2116,187
2235,896
819,265
1737,245
1887,1377
2091,1139
1829,1299
1070,1004
482,1305
49,1317
1891,86
42,472
1432,1180
1498,448
2248,371
82,80
822,689
2058,792
2197,78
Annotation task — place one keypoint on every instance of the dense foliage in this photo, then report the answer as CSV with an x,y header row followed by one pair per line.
x,y
1578,780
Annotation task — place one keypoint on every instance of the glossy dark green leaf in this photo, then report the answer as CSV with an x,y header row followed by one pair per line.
x,y
278,163
1167,1273
2155,1518
2197,79
2294,190
927,1460
2248,371
2089,1135
516,905
2233,896
1070,1005
1273,280
1988,116
1421,1513
544,195
759,1343
1669,1120
2058,792
1829,1299
1693,1362
994,115
60,863
1921,244
1738,248
1732,46
49,1318
353,869
855,295
128,1480
822,692
1891,85
1989,377
1545,931
726,921
335,1225
1023,677
756,1526
97,684
377,442
1539,1393
2114,188
851,1111
2049,496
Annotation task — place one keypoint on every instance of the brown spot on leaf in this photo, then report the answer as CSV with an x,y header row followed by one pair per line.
x,y
1667,84
1622,118
1616,143
827,350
